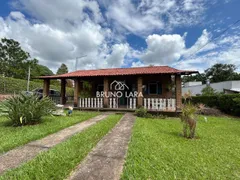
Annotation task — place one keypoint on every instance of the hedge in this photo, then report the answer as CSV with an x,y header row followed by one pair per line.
x,y
12,85
228,103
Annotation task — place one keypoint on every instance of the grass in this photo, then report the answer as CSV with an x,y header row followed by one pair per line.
x,y
58,162
158,151
11,137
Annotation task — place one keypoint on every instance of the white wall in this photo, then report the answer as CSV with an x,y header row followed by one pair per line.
x,y
219,87
193,83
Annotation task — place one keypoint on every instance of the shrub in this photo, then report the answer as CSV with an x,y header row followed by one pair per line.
x,y
189,120
227,103
188,116
141,112
3,109
28,109
208,91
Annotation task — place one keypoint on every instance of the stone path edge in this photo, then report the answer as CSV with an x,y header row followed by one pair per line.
x,y
22,154
106,160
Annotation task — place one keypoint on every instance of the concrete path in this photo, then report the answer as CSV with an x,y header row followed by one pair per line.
x,y
17,156
107,159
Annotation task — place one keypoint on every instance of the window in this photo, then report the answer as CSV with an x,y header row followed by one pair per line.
x,y
154,88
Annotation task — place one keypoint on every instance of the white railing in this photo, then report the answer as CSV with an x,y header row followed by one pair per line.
x,y
132,103
160,104
113,103
91,102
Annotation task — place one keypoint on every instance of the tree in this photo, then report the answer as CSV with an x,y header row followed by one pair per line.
x,y
14,61
221,72
62,69
40,70
208,91
198,77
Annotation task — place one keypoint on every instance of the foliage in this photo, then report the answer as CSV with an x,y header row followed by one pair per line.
x,y
3,109
156,151
14,61
216,73
221,72
208,91
12,137
227,103
141,112
189,120
65,156
198,77
188,117
40,70
63,69
12,85
86,90
28,109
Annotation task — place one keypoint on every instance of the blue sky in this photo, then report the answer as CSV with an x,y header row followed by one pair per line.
x,y
124,33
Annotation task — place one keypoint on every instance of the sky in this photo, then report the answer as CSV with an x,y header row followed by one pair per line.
x,y
125,33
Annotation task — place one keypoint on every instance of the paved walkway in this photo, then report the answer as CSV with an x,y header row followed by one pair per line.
x,y
107,158
17,156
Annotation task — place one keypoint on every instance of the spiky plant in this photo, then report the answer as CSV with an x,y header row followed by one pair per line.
x,y
188,117
28,109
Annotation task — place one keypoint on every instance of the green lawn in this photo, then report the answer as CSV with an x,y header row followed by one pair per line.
x,y
157,151
58,162
11,137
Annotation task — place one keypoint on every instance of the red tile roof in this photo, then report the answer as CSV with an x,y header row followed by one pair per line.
x,y
121,72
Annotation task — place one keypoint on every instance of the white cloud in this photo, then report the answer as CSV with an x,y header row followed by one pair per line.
x,y
163,49
116,58
224,50
52,45
145,16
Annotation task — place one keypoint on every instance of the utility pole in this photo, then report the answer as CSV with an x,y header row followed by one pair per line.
x,y
76,63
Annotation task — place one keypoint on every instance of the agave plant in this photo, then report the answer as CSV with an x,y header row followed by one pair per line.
x,y
3,109
28,109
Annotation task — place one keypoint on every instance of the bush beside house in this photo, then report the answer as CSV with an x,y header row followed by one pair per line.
x,y
227,103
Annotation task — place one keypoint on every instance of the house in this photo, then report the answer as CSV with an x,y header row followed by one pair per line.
x,y
156,88
227,87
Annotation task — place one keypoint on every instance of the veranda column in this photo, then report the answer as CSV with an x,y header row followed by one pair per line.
x,y
105,89
63,91
178,92
139,88
46,87
76,92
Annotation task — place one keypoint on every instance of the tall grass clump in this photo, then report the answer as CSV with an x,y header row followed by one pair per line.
x,y
27,109
188,117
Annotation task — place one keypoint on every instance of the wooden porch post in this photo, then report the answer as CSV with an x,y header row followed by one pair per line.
x,y
46,87
105,89
178,92
63,91
139,88
76,92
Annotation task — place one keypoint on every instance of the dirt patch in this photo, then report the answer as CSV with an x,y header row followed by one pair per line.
x,y
4,96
